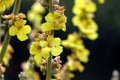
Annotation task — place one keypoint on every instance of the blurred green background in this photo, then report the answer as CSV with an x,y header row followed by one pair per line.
x,y
105,51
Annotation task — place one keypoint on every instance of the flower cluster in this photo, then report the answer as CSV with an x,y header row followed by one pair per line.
x,y
80,53
83,10
46,44
35,15
55,21
5,4
20,30
16,24
43,48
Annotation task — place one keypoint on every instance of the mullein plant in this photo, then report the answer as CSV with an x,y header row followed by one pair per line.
x,y
44,47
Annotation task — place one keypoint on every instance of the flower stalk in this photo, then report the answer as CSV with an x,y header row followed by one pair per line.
x,y
17,7
7,36
49,68
50,5
49,63
5,43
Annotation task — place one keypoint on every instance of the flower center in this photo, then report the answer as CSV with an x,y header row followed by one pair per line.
x,y
38,47
19,27
56,21
49,44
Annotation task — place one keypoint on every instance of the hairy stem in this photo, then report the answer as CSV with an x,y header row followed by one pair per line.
x,y
17,7
49,68
49,63
4,46
50,5
7,36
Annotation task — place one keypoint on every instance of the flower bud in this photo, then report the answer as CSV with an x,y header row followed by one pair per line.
x,y
44,3
56,1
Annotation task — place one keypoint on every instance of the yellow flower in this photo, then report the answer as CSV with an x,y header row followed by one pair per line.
x,y
43,48
5,4
7,55
83,55
73,42
35,18
74,64
51,45
55,21
38,8
35,15
83,10
76,45
88,26
91,7
84,6
20,29
35,49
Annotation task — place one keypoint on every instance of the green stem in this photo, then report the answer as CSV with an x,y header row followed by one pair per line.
x,y
7,36
2,27
50,5
49,63
49,68
4,46
17,7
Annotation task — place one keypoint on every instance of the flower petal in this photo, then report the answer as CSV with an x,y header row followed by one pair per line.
x,y
8,3
56,42
12,31
64,27
43,43
38,59
20,23
49,17
2,7
58,27
93,36
76,20
62,19
45,52
50,38
47,26
57,50
91,7
35,48
80,67
26,29
56,15
21,36
6,61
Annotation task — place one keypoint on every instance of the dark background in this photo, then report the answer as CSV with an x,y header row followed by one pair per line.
x,y
105,51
